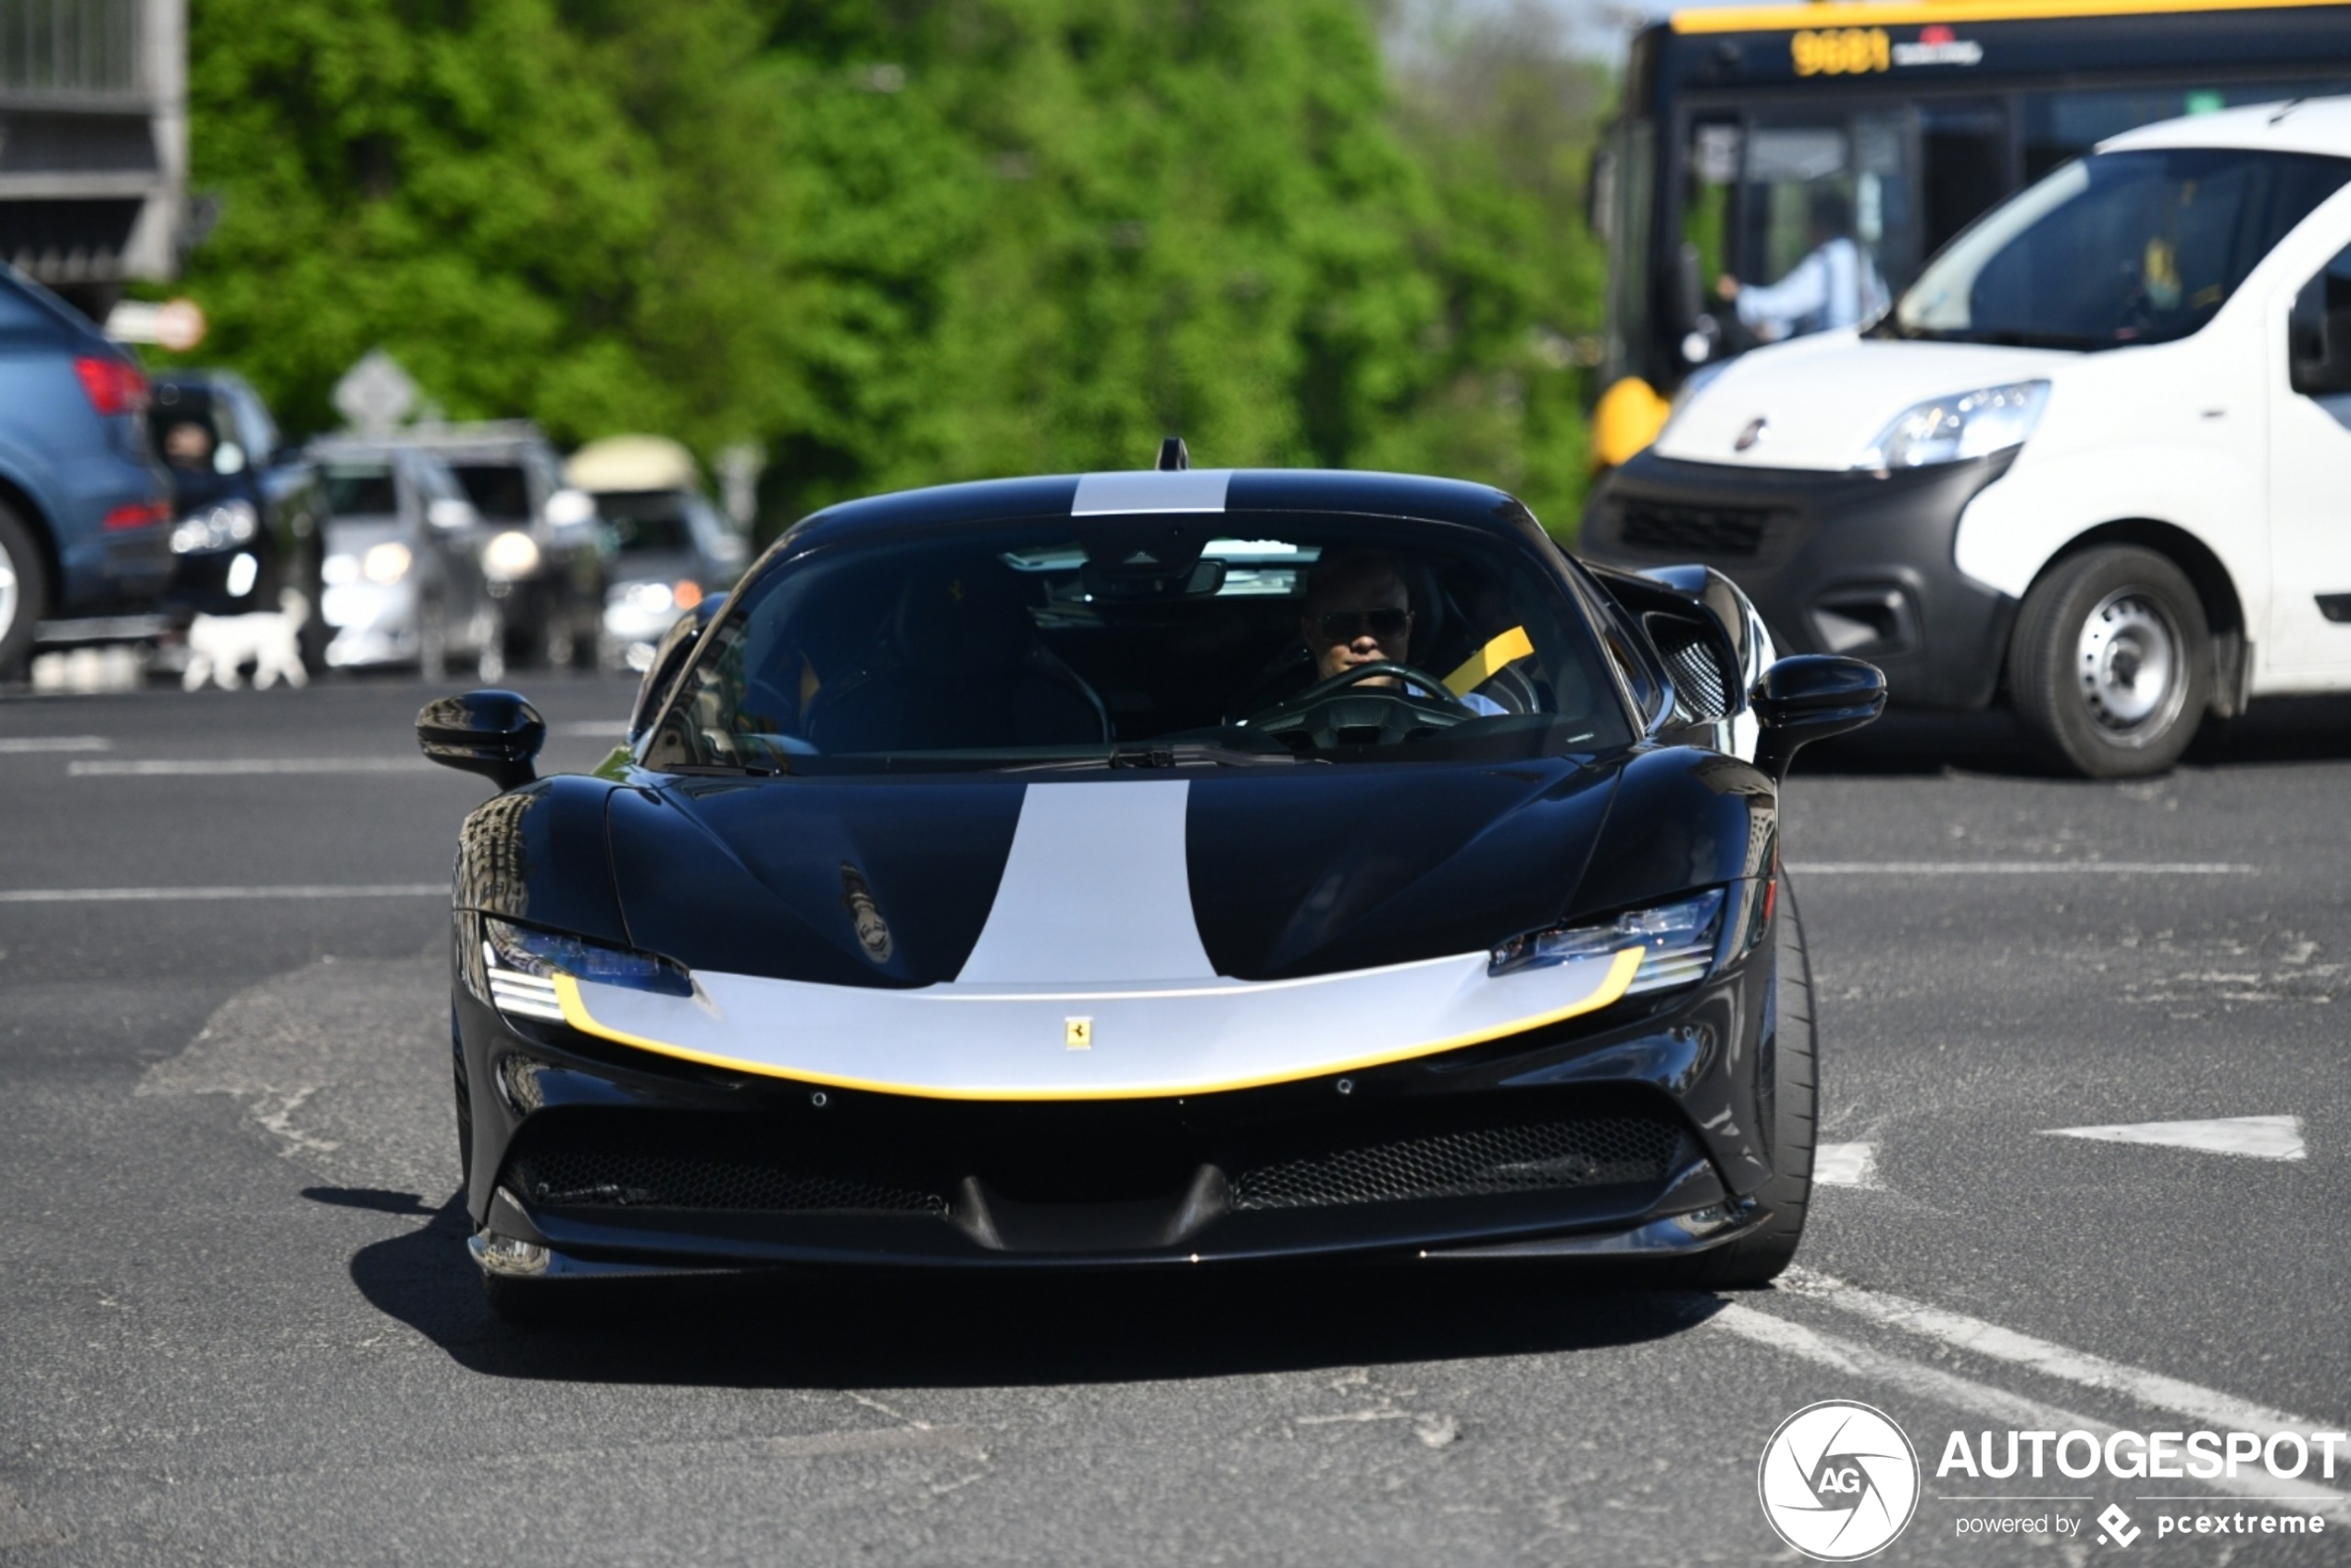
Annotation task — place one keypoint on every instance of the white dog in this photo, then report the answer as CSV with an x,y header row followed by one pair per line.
x,y
219,645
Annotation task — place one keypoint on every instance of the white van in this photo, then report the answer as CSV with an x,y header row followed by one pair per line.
x,y
2096,462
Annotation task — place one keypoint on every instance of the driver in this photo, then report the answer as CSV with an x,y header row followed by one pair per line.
x,y
1358,611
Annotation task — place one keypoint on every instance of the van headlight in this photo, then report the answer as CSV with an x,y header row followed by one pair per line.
x,y
1676,941
1950,429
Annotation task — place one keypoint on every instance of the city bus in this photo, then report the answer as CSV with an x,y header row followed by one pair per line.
x,y
1902,119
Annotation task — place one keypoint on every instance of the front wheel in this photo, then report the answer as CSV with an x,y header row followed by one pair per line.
x,y
1791,1104
2111,662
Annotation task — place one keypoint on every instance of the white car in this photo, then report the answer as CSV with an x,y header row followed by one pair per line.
x,y
2096,462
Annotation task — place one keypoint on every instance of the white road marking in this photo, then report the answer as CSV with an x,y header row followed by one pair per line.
x,y
1858,1360
2223,1411
175,895
595,728
2021,868
1844,1165
2255,1137
22,744
216,767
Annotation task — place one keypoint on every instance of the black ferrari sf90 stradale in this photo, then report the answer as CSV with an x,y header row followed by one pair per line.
x,y
1176,867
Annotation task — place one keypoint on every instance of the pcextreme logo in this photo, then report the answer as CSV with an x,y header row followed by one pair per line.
x,y
1838,1481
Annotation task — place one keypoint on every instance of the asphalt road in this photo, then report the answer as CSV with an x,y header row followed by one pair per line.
x,y
237,1323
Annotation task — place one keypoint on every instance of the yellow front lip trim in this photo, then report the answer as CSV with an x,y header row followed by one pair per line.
x,y
1611,989
1919,13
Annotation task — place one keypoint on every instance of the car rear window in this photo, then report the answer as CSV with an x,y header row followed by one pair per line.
x,y
361,490
497,489
25,313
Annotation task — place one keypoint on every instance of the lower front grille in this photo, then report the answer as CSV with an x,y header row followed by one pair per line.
x,y
579,1177
1471,1162
1669,529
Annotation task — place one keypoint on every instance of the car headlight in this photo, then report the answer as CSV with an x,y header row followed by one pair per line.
x,y
511,554
215,527
1948,430
523,965
647,598
1676,941
386,562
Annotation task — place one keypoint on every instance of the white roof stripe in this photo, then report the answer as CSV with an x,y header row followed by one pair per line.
x,y
1149,489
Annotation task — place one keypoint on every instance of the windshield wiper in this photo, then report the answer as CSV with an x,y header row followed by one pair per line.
x,y
1191,753
721,770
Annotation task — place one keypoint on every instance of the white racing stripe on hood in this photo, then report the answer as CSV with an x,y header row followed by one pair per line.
x,y
1148,490
1096,891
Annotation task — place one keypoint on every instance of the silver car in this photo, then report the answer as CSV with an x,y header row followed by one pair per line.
x,y
402,576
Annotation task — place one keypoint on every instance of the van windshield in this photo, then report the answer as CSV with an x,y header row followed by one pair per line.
x,y
2118,249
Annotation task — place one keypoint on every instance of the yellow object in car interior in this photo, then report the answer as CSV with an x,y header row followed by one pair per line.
x,y
1490,661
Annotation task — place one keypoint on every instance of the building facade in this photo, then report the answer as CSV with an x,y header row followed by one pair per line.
x,y
94,143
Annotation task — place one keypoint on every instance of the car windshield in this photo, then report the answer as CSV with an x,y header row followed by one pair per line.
x,y
647,525
2118,249
497,489
1147,641
361,490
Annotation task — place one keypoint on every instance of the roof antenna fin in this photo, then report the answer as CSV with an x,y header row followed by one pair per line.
x,y
1173,458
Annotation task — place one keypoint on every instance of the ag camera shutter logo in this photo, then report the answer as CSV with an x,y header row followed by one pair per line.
x,y
1838,1481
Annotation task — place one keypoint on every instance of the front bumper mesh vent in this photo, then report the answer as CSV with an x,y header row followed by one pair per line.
x,y
1472,1162
1663,527
578,1177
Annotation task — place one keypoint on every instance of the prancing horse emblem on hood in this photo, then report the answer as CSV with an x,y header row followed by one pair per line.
x,y
1750,436
865,913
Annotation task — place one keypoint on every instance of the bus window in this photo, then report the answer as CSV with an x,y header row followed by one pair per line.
x,y
1804,225
1965,147
2064,125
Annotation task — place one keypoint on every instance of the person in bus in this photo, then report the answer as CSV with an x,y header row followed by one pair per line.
x,y
1836,284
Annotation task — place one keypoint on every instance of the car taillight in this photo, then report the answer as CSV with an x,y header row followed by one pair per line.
x,y
114,387
146,513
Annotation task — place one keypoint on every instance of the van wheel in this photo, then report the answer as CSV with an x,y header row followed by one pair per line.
x,y
2111,662
23,597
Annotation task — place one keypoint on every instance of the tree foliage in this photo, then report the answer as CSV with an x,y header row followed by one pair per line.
x,y
896,242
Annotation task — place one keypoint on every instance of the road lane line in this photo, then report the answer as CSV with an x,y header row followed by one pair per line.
x,y
1844,1165
594,728
219,768
2255,1137
172,895
2224,1411
1858,1360
21,745
2021,868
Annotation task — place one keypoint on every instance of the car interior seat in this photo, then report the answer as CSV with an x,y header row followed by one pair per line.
x,y
965,669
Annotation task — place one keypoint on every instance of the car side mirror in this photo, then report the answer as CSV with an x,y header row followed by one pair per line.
x,y
450,513
2318,335
1809,697
495,734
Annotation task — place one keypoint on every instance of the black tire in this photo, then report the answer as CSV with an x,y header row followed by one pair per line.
x,y
1790,1062
2111,663
24,594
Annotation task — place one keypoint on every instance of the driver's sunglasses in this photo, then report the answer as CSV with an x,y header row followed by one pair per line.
x,y
1346,626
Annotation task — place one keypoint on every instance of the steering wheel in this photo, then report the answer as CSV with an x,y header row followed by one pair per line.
x,y
1333,713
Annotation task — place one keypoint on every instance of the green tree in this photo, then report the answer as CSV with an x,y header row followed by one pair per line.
x,y
901,243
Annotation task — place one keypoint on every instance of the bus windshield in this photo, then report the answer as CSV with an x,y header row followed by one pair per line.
x,y
2121,248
